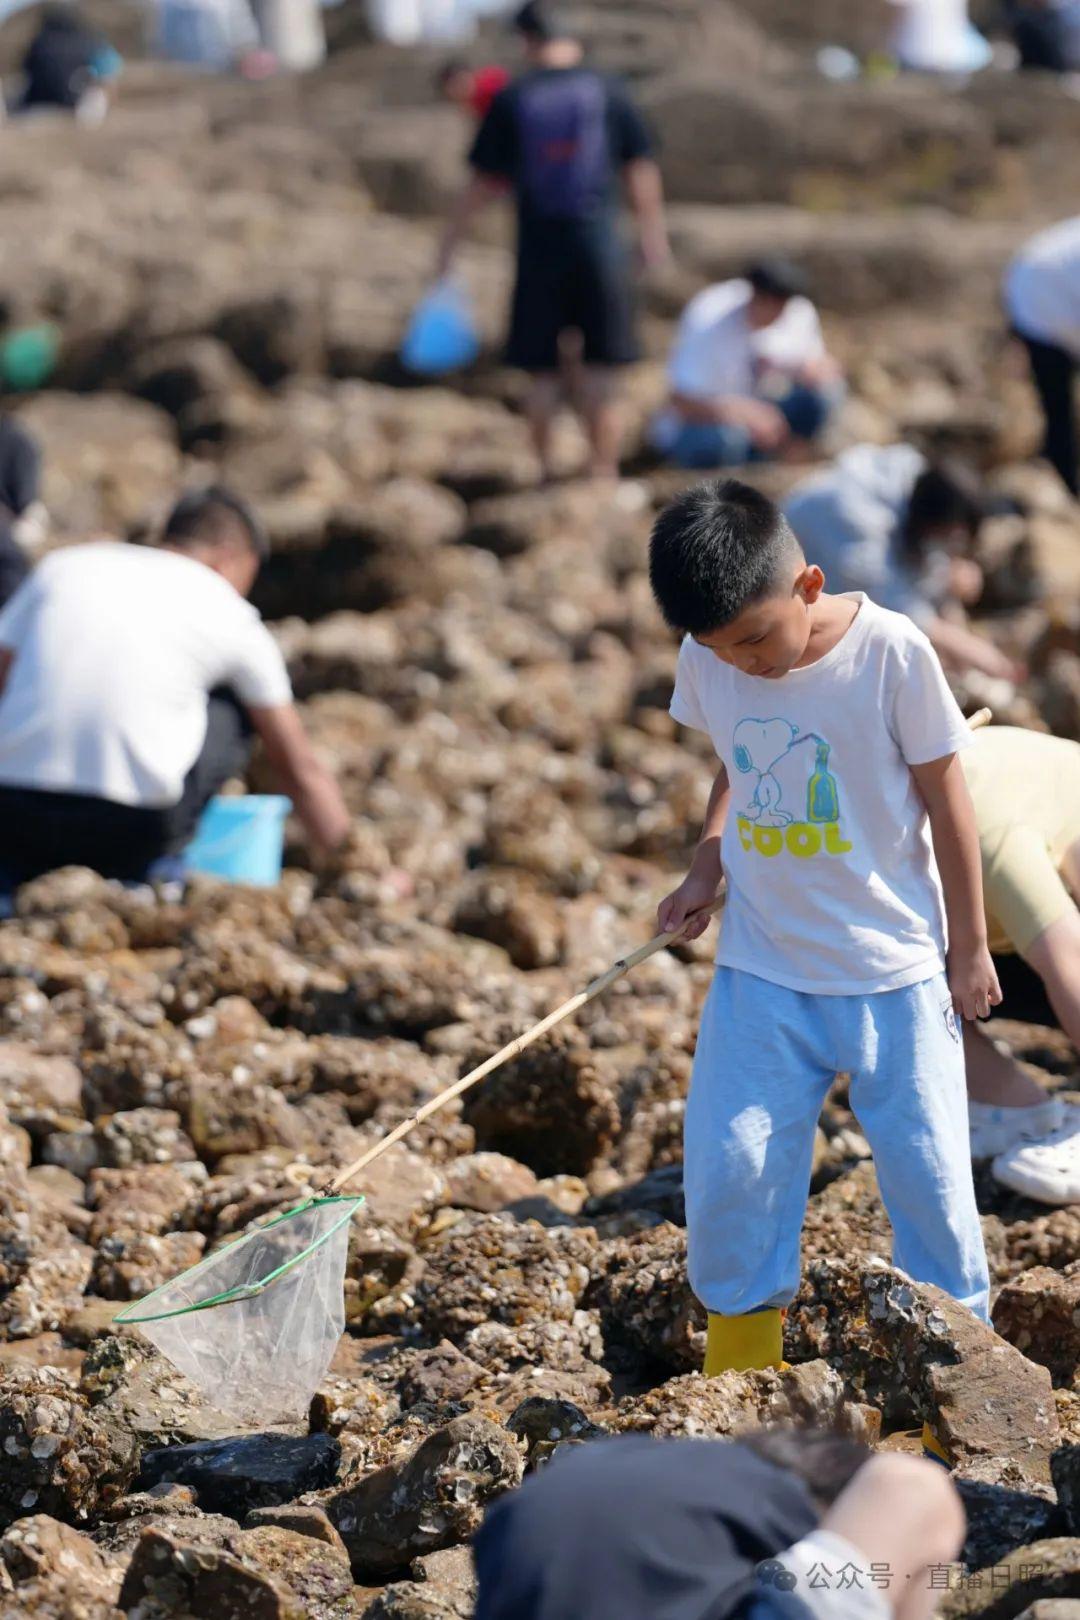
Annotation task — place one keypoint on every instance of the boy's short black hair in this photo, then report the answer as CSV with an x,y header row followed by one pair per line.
x,y
205,516
778,278
946,495
714,550
823,1459
541,23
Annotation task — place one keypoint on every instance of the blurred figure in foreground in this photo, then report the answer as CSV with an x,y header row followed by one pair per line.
x,y
68,68
132,682
749,376
1042,299
780,1523
562,136
1026,791
883,520
470,89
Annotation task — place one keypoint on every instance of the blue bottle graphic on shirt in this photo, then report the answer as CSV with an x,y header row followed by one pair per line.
x,y
822,793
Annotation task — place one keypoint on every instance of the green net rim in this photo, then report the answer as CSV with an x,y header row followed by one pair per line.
x,y
230,1296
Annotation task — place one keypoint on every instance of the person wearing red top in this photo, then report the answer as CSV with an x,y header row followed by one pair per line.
x,y
472,89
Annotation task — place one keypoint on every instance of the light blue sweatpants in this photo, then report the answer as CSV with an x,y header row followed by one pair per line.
x,y
766,1057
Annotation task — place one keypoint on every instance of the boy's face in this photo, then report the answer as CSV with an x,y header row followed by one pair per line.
x,y
770,636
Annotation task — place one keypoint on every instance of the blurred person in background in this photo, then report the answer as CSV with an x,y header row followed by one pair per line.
x,y
1025,787
22,515
470,89
562,136
67,68
937,36
133,680
883,520
1042,300
798,1524
749,377
1047,34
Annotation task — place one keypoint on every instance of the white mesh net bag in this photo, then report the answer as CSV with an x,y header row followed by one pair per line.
x,y
255,1325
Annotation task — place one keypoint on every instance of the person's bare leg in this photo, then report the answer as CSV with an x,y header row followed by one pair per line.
x,y
907,1514
996,1078
603,421
540,410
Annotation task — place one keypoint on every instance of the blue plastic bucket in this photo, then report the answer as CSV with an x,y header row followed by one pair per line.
x,y
241,839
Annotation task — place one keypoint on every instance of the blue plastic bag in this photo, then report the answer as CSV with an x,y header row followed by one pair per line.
x,y
441,336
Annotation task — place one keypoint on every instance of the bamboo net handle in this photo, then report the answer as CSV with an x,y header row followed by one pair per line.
x,y
596,987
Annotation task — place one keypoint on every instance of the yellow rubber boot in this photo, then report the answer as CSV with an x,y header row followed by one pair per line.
x,y
743,1343
932,1446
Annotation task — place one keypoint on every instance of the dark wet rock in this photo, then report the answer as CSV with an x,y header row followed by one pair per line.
x,y
1065,1473
61,1457
918,1355
433,1500
1039,1313
1004,1510
233,1476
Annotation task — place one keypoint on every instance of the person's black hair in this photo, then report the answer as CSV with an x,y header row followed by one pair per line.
x,y
540,23
823,1459
450,70
946,495
714,550
778,278
205,516
61,17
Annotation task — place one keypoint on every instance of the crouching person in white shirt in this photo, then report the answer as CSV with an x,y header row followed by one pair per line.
x,y
132,682
749,375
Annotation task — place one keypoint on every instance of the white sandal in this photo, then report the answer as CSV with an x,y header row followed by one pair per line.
x,y
1048,1171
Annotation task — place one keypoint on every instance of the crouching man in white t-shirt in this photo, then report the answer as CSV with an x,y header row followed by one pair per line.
x,y
132,680
749,377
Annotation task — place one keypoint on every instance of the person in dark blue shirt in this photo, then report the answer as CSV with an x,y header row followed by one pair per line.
x,y
565,139
784,1524
66,64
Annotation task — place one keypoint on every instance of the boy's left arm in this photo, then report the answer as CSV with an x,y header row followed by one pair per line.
x,y
972,979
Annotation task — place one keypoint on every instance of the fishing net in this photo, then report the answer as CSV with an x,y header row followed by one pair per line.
x,y
255,1325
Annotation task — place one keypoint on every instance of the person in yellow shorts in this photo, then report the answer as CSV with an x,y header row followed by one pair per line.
x,y
1026,790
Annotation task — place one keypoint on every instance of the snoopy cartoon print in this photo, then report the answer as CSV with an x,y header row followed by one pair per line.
x,y
759,745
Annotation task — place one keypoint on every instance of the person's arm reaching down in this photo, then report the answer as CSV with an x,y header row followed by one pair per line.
x,y
312,788
972,978
645,193
471,201
699,887
960,649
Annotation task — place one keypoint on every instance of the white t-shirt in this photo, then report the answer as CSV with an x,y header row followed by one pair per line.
x,y
937,36
115,650
832,885
716,352
1042,287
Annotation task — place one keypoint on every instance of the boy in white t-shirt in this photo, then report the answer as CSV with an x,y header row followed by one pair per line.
x,y
749,376
839,783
